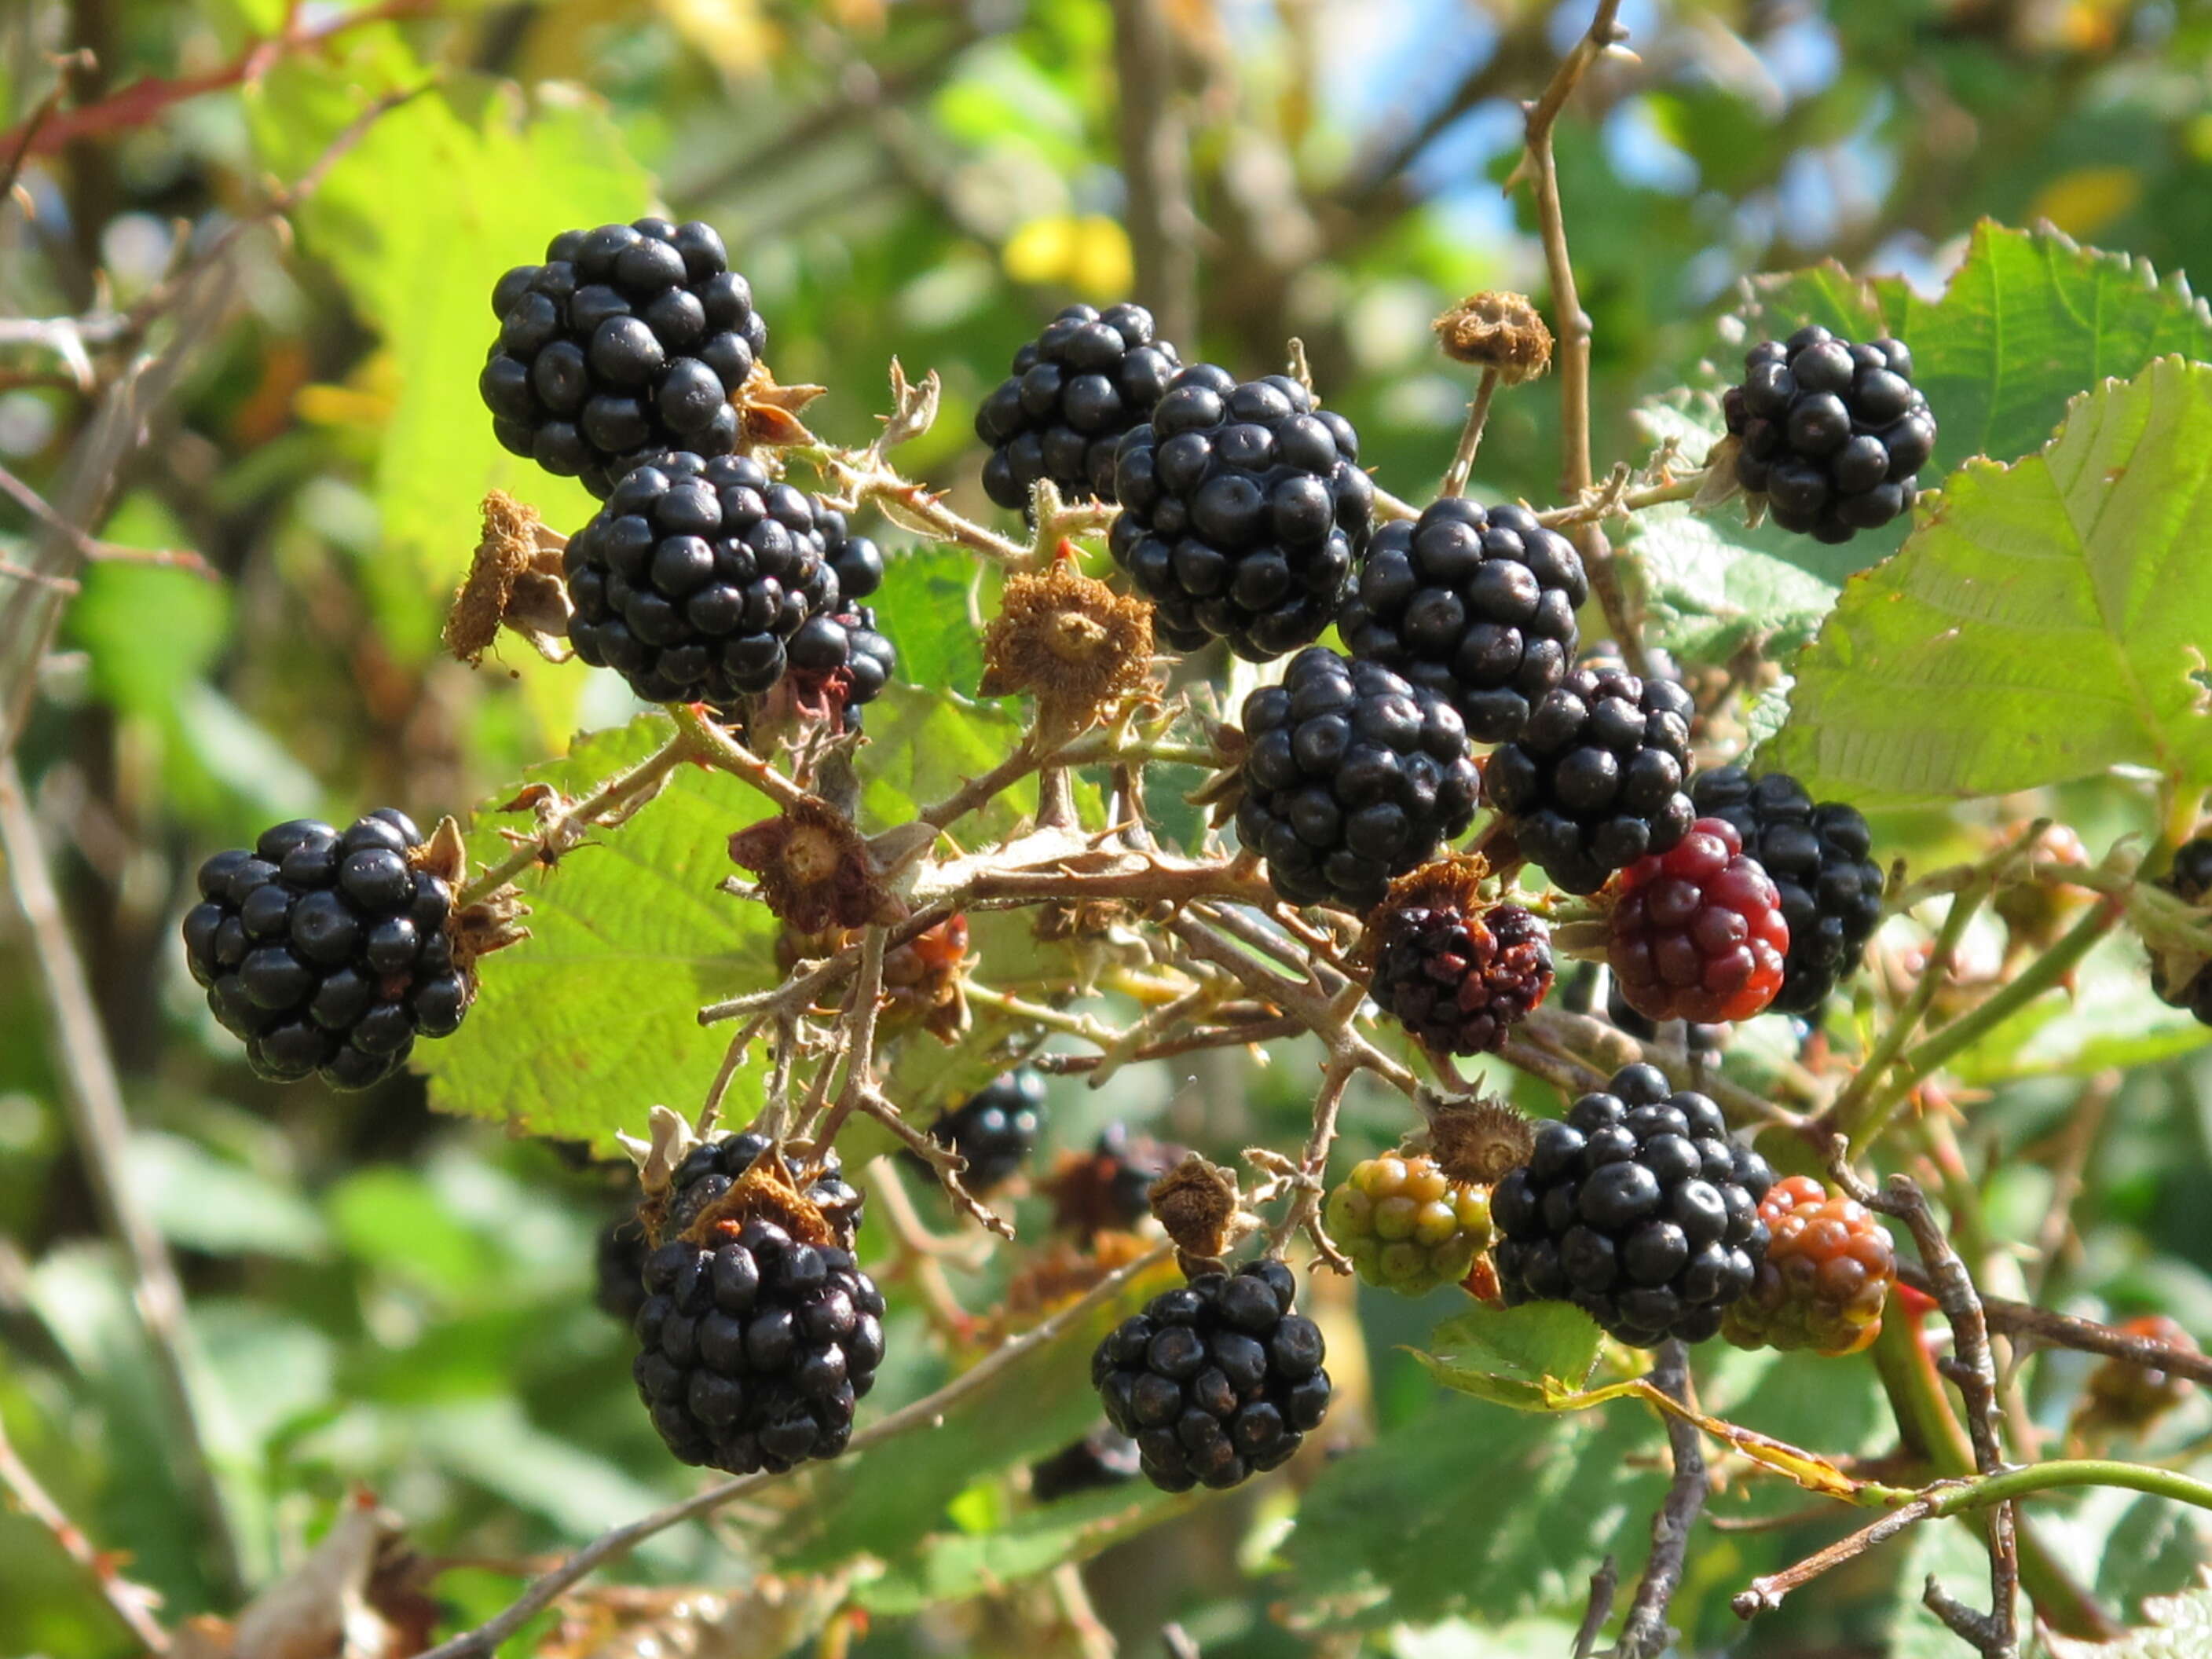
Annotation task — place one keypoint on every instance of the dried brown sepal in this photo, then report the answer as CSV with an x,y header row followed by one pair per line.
x,y
1499,331
766,1191
1069,641
768,414
513,581
1453,882
492,923
814,870
1477,1141
1196,1202
913,408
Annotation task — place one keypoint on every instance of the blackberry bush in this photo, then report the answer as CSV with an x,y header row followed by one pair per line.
x,y
1638,1209
759,1331
630,341
1405,1225
1244,511
1091,377
995,1128
1594,782
1217,1380
1351,776
1697,930
1474,603
696,579
1819,860
328,951
1829,1267
1832,433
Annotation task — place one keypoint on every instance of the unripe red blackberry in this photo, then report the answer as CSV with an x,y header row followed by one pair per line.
x,y
759,1331
1217,1380
1243,510
2134,1397
328,951
1819,860
1405,1225
1594,782
630,340
995,1128
1109,1187
1475,603
1457,981
1351,776
1075,390
1832,433
1104,1458
1637,1209
694,580
1830,1263
1697,930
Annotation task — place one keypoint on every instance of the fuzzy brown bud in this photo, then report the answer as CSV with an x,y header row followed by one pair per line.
x,y
1497,331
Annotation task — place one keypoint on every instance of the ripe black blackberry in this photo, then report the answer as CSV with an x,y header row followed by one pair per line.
x,y
1075,389
1818,859
1594,782
2189,879
1460,981
1216,1380
838,651
327,950
1244,511
1474,603
1351,776
1637,1209
759,1332
693,579
628,341
1103,1458
1832,433
618,1264
2190,876
995,1128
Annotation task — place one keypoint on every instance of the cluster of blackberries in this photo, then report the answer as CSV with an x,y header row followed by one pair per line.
x,y
755,1340
995,1128
1594,782
1818,859
628,341
1075,390
1638,1209
1215,1380
1458,982
1474,603
1352,776
706,580
2189,879
1830,433
1243,510
327,950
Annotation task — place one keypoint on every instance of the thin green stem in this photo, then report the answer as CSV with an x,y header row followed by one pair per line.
x,y
1986,1491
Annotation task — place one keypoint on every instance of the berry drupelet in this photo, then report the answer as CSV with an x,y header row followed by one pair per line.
x,y
1818,859
1217,1380
1638,1209
694,579
1244,511
1830,433
1090,378
1351,776
1594,782
1475,603
628,341
1459,983
327,950
1697,930
838,653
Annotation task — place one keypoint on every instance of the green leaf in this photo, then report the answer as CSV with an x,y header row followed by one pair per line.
x,y
2045,624
2028,320
954,1566
923,607
1505,1354
210,1204
593,1019
1464,1511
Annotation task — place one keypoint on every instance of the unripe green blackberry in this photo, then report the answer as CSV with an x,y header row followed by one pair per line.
x,y
1405,1226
